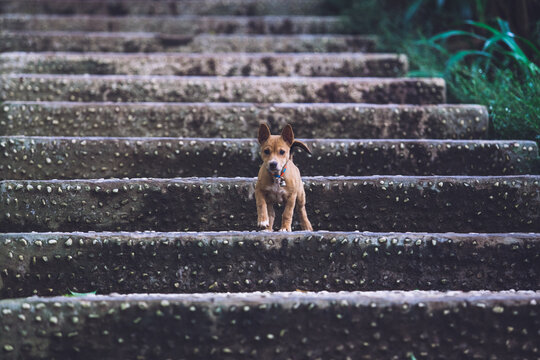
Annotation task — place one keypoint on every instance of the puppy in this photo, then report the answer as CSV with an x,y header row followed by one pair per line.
x,y
279,180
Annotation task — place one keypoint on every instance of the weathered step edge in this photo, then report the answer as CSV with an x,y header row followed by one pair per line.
x,y
363,325
46,264
240,120
226,64
376,203
180,25
42,158
167,7
157,42
134,88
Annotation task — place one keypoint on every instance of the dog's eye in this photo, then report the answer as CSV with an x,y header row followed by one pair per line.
x,y
282,152
267,152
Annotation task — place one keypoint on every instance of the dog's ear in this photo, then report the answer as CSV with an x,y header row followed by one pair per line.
x,y
288,135
264,133
301,145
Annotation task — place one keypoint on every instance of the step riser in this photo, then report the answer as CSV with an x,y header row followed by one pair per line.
x,y
183,7
150,42
242,120
275,326
430,204
343,65
238,262
187,25
233,89
91,158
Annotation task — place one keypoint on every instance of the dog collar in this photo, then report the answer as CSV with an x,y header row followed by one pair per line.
x,y
282,172
279,178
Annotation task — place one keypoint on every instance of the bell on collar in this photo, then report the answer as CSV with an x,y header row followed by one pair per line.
x,y
282,182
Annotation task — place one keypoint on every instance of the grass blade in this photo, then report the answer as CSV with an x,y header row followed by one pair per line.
x,y
460,55
448,34
413,9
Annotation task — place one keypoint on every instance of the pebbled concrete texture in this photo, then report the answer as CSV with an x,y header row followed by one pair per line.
x,y
376,203
226,64
132,88
46,264
43,158
273,326
131,42
241,120
184,25
165,7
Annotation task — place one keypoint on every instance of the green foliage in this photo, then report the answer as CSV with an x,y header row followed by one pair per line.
x,y
481,64
76,294
498,74
513,102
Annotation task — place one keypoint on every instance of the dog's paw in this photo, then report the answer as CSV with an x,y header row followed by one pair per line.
x,y
284,230
264,225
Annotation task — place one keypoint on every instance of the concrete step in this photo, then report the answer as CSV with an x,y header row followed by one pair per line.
x,y
135,88
233,120
43,158
165,7
372,325
377,203
133,42
180,25
225,64
46,264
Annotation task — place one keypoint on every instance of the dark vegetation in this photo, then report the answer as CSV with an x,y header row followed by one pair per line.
x,y
487,50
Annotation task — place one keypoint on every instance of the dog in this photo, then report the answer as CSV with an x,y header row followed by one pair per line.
x,y
279,180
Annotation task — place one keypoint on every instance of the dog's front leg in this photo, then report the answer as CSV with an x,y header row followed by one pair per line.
x,y
262,212
286,221
271,216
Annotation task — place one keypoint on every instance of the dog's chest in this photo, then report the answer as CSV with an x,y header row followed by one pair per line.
x,y
275,193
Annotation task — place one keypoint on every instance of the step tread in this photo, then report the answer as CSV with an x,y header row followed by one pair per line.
x,y
375,203
234,325
237,120
183,24
81,41
108,157
223,89
169,7
255,261
226,64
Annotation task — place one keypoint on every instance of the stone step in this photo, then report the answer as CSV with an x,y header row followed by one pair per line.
x,y
180,25
134,88
165,7
225,64
46,264
233,120
377,203
356,325
133,42
43,158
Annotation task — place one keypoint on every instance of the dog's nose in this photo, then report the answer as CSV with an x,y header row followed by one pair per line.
x,y
273,165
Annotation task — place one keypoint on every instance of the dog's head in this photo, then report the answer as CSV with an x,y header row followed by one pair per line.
x,y
276,149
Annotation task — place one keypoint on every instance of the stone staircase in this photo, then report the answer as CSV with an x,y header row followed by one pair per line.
x,y
127,164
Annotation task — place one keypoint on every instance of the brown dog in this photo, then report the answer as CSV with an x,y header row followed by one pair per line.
x,y
279,180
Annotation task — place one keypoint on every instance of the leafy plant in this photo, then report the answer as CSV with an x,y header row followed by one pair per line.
x,y
498,73
77,294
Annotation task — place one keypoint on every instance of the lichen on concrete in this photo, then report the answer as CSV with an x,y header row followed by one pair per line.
x,y
47,264
241,120
376,203
273,326
43,158
119,88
